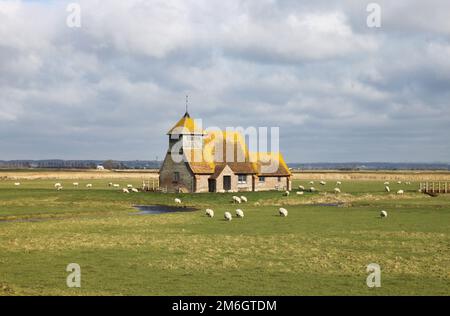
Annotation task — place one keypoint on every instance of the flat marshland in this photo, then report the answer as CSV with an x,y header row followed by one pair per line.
x,y
321,248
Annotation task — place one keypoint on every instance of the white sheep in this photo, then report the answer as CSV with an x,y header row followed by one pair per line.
x,y
301,187
89,185
300,192
386,183
134,190
59,188
383,214
338,183
239,213
236,199
286,193
125,190
209,212
323,182
227,216
57,185
177,201
75,184
400,192
129,186
283,212
311,182
110,184
337,190
387,189
17,184
116,185
399,182
244,199
312,189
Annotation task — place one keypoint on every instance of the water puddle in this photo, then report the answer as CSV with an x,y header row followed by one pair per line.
x,y
161,209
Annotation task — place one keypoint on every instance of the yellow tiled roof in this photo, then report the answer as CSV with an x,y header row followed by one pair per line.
x,y
203,161
186,125
266,162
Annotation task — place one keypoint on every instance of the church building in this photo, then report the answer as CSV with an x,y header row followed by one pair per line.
x,y
218,161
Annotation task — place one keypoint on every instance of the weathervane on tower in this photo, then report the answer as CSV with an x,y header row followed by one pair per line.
x,y
187,102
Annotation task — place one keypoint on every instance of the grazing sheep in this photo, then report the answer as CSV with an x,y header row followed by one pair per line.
x,y
399,182
116,185
386,183
312,189
236,199
59,188
125,190
57,185
400,192
17,184
387,189
227,216
301,187
110,184
337,190
239,213
311,182
134,190
89,185
383,214
75,184
129,186
300,192
338,183
323,182
408,183
286,193
209,212
177,201
244,199
283,212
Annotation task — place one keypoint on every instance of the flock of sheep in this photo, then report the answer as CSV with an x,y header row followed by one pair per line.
x,y
239,199
58,186
239,212
302,189
388,189
282,211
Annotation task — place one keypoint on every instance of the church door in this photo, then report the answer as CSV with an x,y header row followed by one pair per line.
x,y
227,183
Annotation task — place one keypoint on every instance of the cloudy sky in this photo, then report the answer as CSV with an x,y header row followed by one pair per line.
x,y
338,90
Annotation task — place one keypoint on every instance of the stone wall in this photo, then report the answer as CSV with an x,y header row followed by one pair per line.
x,y
166,176
202,183
272,183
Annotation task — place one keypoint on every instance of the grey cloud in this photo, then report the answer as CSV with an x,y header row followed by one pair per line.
x,y
338,90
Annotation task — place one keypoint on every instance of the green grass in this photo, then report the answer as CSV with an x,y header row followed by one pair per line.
x,y
315,250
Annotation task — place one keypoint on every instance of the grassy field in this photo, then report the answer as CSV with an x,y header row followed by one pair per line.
x,y
317,249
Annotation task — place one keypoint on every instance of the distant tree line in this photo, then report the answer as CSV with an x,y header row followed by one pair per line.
x,y
79,164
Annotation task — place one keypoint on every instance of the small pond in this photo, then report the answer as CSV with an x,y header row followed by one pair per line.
x,y
161,209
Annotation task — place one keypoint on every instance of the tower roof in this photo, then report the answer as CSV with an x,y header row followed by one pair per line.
x,y
186,125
